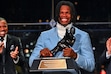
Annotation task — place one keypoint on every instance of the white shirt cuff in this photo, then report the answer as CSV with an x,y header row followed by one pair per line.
x,y
108,55
16,61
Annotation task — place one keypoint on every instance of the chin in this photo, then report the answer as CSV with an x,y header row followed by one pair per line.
x,y
2,35
65,23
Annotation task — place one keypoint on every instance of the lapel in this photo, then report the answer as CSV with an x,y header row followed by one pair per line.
x,y
54,36
8,42
109,68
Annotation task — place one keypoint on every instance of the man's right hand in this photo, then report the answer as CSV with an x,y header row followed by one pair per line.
x,y
45,53
108,45
1,47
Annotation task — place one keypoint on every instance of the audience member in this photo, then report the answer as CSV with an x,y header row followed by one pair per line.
x,y
11,52
105,58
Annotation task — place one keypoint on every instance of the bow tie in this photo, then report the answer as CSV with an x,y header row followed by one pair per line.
x,y
1,38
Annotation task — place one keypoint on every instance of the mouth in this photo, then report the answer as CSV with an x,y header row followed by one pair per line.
x,y
2,33
64,20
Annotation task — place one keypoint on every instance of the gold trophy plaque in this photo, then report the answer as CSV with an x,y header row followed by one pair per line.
x,y
52,64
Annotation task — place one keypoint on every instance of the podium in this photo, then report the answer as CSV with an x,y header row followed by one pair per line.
x,y
52,65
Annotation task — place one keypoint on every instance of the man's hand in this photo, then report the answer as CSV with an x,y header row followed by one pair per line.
x,y
1,47
14,53
68,52
45,53
108,45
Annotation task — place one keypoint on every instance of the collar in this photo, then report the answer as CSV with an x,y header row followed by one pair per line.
x,y
5,39
60,27
62,30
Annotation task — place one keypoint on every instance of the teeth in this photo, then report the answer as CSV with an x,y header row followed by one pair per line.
x,y
2,32
64,19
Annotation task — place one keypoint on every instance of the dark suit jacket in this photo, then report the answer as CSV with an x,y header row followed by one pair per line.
x,y
106,62
11,43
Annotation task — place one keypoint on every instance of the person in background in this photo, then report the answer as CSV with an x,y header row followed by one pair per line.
x,y
81,51
11,52
105,58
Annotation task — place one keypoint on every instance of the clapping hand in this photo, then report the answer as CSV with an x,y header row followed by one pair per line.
x,y
14,53
1,47
108,45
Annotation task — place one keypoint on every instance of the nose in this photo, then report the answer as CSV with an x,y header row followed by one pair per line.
x,y
64,14
2,28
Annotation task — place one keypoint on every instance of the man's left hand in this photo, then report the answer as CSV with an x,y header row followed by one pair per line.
x,y
68,52
14,53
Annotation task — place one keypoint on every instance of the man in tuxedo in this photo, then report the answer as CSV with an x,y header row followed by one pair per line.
x,y
11,53
105,58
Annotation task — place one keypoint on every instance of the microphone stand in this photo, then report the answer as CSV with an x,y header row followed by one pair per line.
x,y
3,57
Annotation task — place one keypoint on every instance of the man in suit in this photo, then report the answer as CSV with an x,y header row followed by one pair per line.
x,y
105,58
11,52
81,50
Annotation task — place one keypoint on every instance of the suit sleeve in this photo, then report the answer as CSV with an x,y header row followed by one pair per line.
x,y
103,60
86,56
22,61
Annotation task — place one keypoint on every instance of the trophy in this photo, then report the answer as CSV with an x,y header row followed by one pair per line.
x,y
67,41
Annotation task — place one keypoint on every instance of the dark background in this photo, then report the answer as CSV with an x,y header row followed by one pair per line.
x,y
33,10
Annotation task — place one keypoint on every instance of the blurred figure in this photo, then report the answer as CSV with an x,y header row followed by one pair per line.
x,y
81,51
105,58
11,52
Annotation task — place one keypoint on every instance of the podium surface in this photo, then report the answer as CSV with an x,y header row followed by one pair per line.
x,y
54,66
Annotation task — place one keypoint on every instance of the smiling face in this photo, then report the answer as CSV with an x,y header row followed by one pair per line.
x,y
3,28
65,15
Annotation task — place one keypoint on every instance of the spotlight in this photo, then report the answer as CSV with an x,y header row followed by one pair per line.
x,y
26,51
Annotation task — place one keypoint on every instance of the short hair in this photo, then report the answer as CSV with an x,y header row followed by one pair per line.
x,y
72,9
3,19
